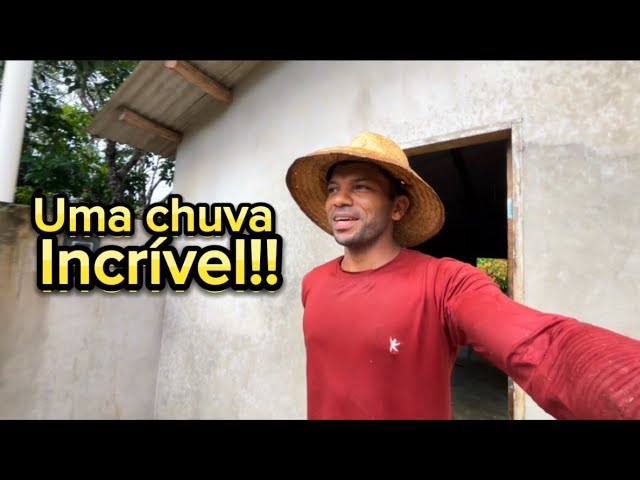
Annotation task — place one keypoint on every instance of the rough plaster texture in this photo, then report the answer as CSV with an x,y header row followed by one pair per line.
x,y
72,355
234,355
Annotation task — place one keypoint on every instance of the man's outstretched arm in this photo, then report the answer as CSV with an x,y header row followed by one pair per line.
x,y
573,370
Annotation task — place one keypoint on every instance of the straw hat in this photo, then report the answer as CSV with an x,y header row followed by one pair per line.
x,y
307,184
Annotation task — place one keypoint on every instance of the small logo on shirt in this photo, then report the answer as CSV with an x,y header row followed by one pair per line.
x,y
393,345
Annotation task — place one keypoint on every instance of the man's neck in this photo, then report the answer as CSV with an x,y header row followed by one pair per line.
x,y
368,258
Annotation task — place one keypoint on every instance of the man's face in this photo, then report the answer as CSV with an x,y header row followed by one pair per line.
x,y
359,205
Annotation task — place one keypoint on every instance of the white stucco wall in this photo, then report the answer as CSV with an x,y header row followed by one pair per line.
x,y
72,355
233,355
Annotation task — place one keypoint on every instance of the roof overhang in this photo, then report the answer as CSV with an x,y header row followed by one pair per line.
x,y
160,100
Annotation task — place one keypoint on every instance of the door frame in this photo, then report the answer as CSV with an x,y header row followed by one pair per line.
x,y
512,132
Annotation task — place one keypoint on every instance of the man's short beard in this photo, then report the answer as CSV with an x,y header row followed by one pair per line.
x,y
368,235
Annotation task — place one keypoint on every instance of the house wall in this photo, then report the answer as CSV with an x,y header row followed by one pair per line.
x,y
241,355
72,355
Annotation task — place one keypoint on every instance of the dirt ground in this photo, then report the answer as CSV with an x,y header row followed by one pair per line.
x,y
478,389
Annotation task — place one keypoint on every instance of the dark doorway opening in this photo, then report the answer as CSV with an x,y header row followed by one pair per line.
x,y
472,183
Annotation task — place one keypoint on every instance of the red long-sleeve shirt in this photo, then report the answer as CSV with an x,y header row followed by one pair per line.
x,y
381,344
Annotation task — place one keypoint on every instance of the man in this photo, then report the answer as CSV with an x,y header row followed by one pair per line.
x,y
383,323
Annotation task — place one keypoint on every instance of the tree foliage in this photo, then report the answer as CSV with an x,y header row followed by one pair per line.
x,y
496,268
60,156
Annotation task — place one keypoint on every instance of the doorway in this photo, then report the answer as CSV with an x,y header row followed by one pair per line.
x,y
472,176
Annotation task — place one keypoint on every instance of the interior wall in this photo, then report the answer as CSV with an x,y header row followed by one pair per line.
x,y
236,355
472,184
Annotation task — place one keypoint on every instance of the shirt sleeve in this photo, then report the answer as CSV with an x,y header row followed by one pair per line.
x,y
572,369
304,290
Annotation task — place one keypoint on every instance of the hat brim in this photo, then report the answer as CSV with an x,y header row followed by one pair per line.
x,y
307,185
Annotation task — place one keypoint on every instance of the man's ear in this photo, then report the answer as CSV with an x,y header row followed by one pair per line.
x,y
400,206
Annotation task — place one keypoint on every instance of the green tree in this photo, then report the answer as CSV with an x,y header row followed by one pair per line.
x,y
497,269
60,156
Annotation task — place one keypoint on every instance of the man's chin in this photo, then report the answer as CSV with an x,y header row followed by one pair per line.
x,y
344,240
